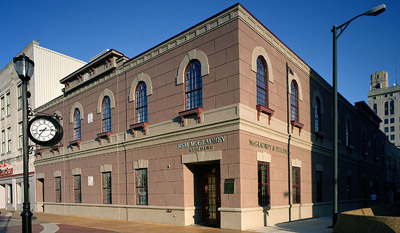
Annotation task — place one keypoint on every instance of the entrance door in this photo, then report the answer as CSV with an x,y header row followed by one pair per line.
x,y
211,197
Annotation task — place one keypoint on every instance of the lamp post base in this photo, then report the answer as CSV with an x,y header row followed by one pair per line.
x,y
26,215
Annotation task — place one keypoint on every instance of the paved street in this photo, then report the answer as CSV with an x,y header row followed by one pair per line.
x,y
10,222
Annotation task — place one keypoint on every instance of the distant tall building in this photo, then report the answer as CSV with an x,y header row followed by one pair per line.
x,y
44,86
384,100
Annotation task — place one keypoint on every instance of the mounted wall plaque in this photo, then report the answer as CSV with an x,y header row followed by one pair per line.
x,y
229,186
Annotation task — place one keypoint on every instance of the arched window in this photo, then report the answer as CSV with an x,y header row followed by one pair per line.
x,y
77,124
363,143
375,108
391,107
317,115
294,101
262,82
194,95
141,103
386,108
347,132
106,114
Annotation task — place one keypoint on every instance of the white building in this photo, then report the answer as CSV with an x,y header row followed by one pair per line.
x,y
385,101
50,67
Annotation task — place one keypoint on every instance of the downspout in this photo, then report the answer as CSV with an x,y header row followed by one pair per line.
x,y
125,156
289,137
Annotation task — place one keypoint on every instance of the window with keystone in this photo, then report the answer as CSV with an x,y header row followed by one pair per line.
x,y
58,188
296,185
77,189
141,103
141,187
262,82
194,92
294,101
106,114
263,184
107,188
317,115
77,124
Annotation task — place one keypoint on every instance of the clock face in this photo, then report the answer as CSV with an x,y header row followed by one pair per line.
x,y
45,130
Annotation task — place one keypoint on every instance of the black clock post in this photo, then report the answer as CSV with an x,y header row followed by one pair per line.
x,y
24,67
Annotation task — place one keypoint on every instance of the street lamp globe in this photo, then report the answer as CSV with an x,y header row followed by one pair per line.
x,y
376,10
24,67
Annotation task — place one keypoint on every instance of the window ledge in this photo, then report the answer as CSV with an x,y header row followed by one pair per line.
x,y
56,148
349,148
75,143
142,125
297,125
38,152
186,113
319,134
264,109
103,135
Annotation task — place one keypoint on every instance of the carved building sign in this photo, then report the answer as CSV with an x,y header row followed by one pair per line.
x,y
267,146
201,145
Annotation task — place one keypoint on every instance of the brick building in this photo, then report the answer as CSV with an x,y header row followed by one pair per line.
x,y
221,124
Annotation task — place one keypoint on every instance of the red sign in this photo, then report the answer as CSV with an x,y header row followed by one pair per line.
x,y
6,172
5,169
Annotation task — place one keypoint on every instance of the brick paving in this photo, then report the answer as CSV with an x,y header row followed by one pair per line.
x,y
10,222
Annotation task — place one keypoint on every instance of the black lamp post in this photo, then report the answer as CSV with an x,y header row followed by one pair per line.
x,y
24,67
373,12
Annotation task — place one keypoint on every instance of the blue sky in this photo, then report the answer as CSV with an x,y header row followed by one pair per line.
x,y
83,28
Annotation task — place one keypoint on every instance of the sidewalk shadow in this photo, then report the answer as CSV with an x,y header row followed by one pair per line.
x,y
306,226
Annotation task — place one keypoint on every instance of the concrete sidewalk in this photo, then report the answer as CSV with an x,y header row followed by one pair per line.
x,y
313,225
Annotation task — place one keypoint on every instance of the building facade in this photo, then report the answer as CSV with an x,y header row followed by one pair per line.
x,y
44,86
221,124
384,100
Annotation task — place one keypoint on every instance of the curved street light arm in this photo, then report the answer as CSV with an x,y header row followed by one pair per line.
x,y
344,26
372,12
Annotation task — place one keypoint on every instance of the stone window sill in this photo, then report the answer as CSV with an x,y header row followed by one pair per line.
x,y
104,135
56,148
76,143
264,109
198,111
297,125
136,126
319,134
349,148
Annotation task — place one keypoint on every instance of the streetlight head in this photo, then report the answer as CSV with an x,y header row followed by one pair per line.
x,y
376,10
24,67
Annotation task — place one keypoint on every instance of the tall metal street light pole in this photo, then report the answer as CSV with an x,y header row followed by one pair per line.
x,y
373,12
24,67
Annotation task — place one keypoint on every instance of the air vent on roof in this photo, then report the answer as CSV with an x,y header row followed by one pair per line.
x,y
98,55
